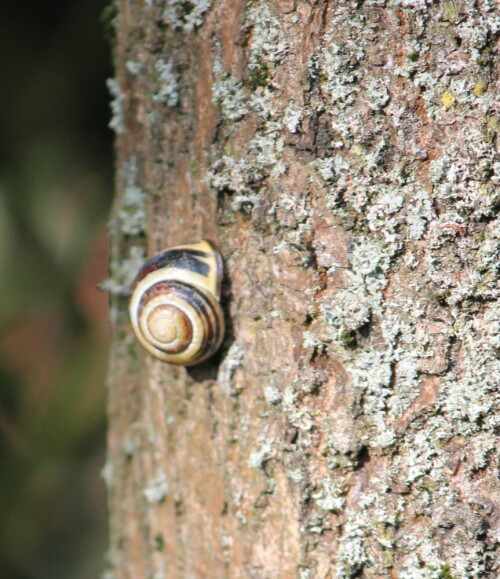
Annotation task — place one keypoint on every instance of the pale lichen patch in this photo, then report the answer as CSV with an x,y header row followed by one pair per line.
x,y
117,106
157,489
187,15
168,84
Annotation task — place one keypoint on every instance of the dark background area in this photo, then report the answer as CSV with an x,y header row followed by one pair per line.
x,y
55,193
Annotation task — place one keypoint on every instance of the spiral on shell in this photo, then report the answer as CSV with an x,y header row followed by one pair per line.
x,y
174,308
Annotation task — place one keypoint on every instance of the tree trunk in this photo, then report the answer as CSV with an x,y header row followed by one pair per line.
x,y
342,155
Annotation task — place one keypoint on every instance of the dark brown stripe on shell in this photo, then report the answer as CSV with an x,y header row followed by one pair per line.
x,y
180,258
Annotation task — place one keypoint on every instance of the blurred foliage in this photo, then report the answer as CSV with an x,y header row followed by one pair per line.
x,y
55,193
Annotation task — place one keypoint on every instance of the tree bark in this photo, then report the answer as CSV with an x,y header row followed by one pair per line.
x,y
343,156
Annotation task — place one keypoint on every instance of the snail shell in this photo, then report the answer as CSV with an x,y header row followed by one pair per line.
x,y
174,308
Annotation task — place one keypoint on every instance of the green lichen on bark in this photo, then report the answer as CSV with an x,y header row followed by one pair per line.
x,y
418,207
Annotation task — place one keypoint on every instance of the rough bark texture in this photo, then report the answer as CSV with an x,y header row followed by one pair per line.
x,y
343,156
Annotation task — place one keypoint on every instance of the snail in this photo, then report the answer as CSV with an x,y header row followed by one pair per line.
x,y
174,308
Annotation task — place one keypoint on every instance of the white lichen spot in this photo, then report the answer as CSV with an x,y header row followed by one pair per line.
x,y
186,14
157,489
337,70
229,94
129,446
168,84
297,475
351,309
108,474
299,417
134,67
418,4
377,94
258,458
292,119
268,44
328,497
310,340
132,213
331,168
117,106
352,555
123,273
272,395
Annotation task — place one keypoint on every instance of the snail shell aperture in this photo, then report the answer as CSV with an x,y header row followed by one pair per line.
x,y
174,308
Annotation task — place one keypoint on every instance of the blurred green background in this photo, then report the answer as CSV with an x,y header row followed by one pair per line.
x,y
55,193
